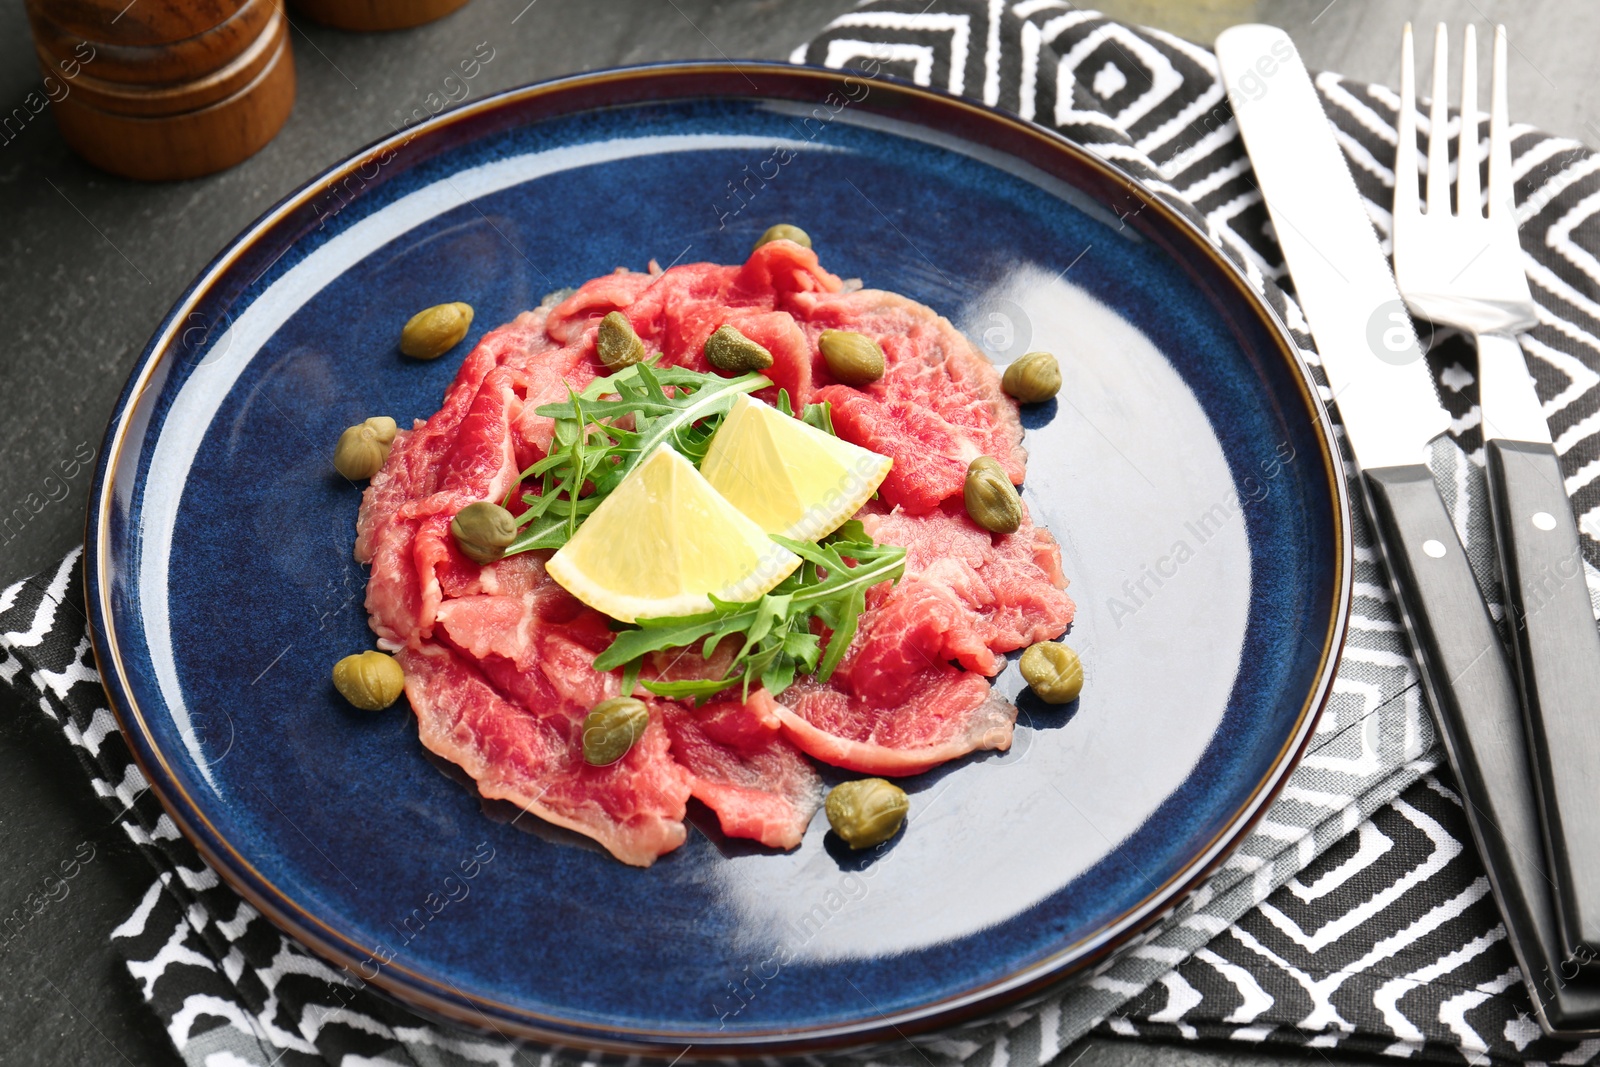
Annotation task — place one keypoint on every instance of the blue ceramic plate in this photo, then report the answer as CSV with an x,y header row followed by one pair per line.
x,y
1185,470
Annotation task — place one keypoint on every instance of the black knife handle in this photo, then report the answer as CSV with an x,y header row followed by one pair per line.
x,y
1474,697
1558,666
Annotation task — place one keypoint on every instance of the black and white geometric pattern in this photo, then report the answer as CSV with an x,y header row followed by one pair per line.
x,y
1388,943
1355,915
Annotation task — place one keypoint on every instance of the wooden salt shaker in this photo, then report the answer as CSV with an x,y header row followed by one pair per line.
x,y
166,89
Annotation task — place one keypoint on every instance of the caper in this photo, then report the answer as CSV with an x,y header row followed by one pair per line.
x,y
369,680
616,343
1053,671
853,358
483,530
1033,379
611,728
783,232
991,499
363,448
731,352
867,811
432,332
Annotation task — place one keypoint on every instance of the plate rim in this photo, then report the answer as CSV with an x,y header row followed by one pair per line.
x,y
420,992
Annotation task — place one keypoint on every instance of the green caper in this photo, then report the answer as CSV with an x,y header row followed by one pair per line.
x,y
1033,379
1053,671
853,358
867,811
363,448
483,530
731,352
432,332
616,343
611,728
783,232
991,499
369,680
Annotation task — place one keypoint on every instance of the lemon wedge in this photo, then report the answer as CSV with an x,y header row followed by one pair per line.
x,y
791,478
663,543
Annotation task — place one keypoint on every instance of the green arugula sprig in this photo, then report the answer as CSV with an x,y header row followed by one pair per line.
x,y
602,433
776,641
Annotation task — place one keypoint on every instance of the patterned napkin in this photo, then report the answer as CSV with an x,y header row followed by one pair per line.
x,y
1357,913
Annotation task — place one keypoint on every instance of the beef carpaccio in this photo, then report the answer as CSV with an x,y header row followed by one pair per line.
x,y
499,659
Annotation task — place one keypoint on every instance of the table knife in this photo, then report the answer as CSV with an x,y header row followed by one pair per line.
x,y
1390,413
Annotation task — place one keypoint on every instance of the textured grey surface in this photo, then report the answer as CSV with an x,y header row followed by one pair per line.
x,y
89,263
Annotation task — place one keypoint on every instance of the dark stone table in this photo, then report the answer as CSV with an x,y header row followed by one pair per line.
x,y
89,264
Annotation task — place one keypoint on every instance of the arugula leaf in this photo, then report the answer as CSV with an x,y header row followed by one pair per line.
x,y
602,433
817,415
774,632
820,416
693,687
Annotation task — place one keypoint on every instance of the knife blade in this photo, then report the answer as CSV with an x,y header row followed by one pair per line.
x,y
1390,412
1388,403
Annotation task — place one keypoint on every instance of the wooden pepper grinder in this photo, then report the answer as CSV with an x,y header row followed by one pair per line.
x,y
165,89
376,14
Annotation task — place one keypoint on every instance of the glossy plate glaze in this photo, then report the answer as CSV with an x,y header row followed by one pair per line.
x,y
1185,470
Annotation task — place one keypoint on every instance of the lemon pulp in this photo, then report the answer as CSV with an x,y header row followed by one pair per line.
x,y
663,543
789,477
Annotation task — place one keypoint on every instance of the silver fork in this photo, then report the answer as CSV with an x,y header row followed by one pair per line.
x,y
1465,270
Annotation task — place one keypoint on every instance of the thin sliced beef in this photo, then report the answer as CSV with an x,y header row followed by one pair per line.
x,y
936,408
675,311
967,595
417,459
930,455
500,660
533,757
896,705
462,454
744,768
947,713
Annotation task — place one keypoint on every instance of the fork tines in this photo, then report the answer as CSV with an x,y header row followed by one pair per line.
x,y
1468,194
